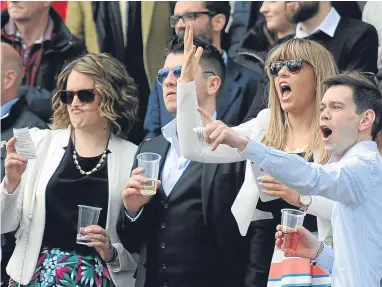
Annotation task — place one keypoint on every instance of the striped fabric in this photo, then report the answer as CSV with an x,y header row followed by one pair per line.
x,y
296,272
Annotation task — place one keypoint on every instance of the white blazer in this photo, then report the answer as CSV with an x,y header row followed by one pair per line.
x,y
16,207
193,147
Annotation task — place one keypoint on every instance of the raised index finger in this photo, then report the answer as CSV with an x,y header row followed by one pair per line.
x,y
205,115
11,146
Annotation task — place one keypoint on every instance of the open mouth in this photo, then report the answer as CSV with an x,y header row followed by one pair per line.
x,y
326,132
285,90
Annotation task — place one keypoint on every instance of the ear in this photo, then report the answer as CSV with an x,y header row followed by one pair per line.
x,y
218,22
213,85
367,120
9,79
291,8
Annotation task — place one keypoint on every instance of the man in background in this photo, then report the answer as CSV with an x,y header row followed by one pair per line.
x,y
209,19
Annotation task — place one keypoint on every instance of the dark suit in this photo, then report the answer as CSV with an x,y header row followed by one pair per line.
x,y
232,103
190,238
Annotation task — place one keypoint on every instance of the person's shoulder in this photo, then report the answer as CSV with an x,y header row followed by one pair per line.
x,y
152,142
246,72
356,26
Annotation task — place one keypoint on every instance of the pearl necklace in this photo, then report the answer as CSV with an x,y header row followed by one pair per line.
x,y
99,164
101,161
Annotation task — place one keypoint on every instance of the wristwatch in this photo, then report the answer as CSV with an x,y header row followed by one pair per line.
x,y
305,201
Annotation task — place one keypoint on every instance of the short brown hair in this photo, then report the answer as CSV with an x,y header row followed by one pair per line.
x,y
119,103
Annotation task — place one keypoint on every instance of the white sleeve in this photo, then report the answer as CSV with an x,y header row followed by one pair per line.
x,y
188,119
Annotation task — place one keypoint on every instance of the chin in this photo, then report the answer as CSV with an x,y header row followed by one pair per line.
x,y
171,107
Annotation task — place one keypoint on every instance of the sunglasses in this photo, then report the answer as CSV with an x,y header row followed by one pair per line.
x,y
85,96
164,72
176,71
293,66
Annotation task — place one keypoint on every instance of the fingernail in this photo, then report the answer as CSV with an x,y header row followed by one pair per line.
x,y
261,184
260,179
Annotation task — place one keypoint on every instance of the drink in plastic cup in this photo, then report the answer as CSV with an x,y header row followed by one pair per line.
x,y
150,163
87,215
290,219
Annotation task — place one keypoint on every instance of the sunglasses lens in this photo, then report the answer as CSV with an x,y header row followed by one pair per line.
x,y
275,68
162,74
177,71
66,97
294,66
85,96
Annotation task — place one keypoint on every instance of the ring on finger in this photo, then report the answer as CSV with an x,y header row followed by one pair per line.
x,y
187,49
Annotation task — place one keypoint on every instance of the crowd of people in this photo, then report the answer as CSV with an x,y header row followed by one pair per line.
x,y
253,108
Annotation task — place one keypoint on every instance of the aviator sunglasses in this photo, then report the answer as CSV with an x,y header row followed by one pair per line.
x,y
85,96
176,71
293,66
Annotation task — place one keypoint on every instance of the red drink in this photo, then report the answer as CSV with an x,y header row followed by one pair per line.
x,y
291,241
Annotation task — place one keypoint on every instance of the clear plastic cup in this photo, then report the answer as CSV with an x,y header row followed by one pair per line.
x,y
87,215
150,163
290,219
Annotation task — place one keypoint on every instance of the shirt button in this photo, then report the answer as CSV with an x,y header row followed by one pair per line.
x,y
38,87
164,267
163,245
163,225
165,285
166,205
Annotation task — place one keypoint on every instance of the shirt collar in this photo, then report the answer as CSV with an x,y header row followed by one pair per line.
x,y
225,57
359,149
7,107
11,29
169,130
328,25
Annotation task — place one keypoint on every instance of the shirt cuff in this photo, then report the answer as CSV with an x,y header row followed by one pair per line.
x,y
254,152
326,259
133,216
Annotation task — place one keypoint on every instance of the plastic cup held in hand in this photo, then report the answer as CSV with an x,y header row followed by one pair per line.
x,y
290,219
87,215
150,163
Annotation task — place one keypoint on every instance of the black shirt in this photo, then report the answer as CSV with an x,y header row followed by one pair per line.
x,y
354,45
67,189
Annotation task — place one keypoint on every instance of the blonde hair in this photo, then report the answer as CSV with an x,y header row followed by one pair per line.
x,y
324,66
118,94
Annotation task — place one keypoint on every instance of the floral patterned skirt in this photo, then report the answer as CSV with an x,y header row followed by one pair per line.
x,y
57,268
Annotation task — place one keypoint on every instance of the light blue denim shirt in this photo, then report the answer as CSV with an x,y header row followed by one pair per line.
x,y
355,183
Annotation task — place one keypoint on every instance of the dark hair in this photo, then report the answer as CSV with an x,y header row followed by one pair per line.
x,y
219,7
211,59
366,96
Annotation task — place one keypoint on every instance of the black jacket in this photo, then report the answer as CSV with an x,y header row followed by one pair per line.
x,y
63,48
248,257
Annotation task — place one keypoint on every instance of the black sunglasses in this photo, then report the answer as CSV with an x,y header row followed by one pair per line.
x,y
188,17
371,77
85,96
293,66
176,71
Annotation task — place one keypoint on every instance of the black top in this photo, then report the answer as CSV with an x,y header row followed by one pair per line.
x,y
354,45
67,189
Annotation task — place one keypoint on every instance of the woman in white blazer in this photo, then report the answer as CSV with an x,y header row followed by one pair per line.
x,y
296,71
83,161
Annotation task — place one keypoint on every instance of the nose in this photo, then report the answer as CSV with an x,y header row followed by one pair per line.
x,y
76,101
180,26
283,72
263,8
325,114
170,80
